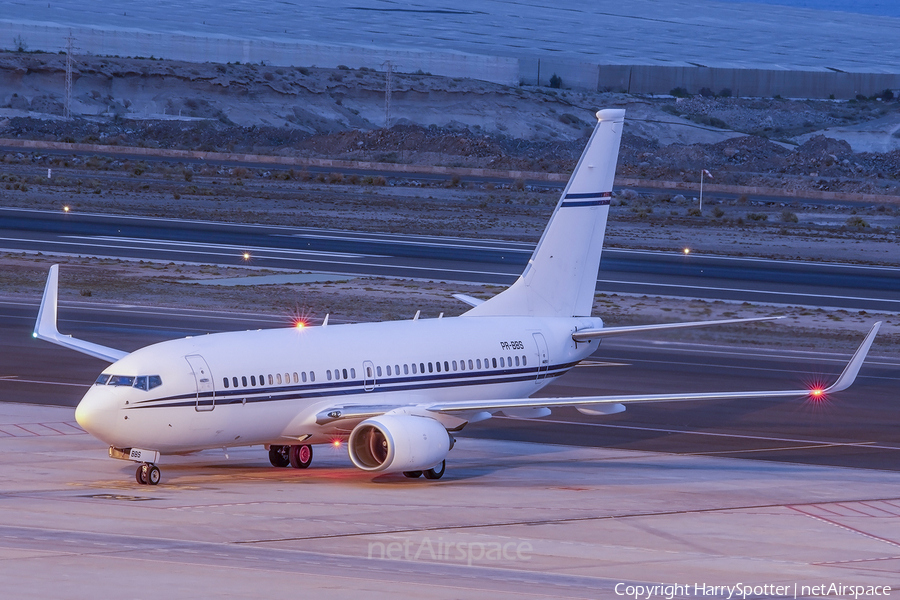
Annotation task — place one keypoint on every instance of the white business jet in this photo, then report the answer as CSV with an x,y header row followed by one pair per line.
x,y
394,392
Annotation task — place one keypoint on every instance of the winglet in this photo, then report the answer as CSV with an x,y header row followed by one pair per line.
x,y
45,326
852,369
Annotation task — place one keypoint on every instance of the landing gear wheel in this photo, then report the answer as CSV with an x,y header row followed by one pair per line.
x,y
300,456
437,472
153,475
147,474
278,456
412,474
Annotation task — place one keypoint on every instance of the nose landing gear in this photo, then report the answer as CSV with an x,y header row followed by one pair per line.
x,y
147,474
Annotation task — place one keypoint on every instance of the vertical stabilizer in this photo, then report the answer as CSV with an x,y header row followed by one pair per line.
x,y
561,276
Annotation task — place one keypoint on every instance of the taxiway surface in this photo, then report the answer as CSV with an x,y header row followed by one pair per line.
x,y
856,287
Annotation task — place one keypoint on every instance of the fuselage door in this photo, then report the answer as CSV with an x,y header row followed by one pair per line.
x,y
368,375
543,356
206,392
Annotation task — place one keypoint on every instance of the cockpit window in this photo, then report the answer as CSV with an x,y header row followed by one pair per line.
x,y
141,382
121,380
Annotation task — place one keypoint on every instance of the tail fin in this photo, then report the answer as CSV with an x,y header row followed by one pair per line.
x,y
561,276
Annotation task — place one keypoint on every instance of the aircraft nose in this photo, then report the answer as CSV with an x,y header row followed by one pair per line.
x,y
96,416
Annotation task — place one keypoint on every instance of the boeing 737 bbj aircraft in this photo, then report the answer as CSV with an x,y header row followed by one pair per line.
x,y
394,391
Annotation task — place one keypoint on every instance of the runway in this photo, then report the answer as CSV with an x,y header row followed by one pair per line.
x,y
858,427
855,287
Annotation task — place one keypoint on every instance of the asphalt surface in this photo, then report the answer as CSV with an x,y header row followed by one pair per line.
x,y
858,427
453,259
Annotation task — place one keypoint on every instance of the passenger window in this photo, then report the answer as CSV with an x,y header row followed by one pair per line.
x,y
454,365
509,361
524,361
234,382
378,371
154,381
517,361
369,372
388,369
396,370
422,368
501,362
345,373
312,375
262,380
446,366
224,381
430,368
277,378
478,362
462,365
244,380
253,380
414,368
406,369
328,374
352,373
297,378
102,380
438,365
271,380
303,376
494,362
470,364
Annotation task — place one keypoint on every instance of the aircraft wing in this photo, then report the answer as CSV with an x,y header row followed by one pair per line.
x,y
583,335
608,404
45,327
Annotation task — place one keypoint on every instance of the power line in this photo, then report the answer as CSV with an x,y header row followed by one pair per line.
x,y
69,47
388,77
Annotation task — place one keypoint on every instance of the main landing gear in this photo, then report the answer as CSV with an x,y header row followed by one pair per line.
x,y
299,457
435,473
147,474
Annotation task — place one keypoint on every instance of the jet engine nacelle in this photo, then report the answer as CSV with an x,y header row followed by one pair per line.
x,y
394,443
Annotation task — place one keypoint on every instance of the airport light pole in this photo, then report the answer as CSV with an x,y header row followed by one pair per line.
x,y
702,173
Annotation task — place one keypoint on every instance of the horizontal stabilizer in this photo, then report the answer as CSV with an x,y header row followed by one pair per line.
x,y
45,327
589,404
468,299
584,335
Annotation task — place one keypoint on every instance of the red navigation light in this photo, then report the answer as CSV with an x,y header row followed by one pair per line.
x,y
246,256
336,443
299,323
817,393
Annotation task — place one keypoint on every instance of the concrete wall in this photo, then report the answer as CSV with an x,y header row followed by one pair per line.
x,y
748,82
637,79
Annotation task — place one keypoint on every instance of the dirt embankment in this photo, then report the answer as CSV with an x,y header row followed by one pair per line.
x,y
340,113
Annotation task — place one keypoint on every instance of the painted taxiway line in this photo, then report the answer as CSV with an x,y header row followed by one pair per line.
x,y
824,443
